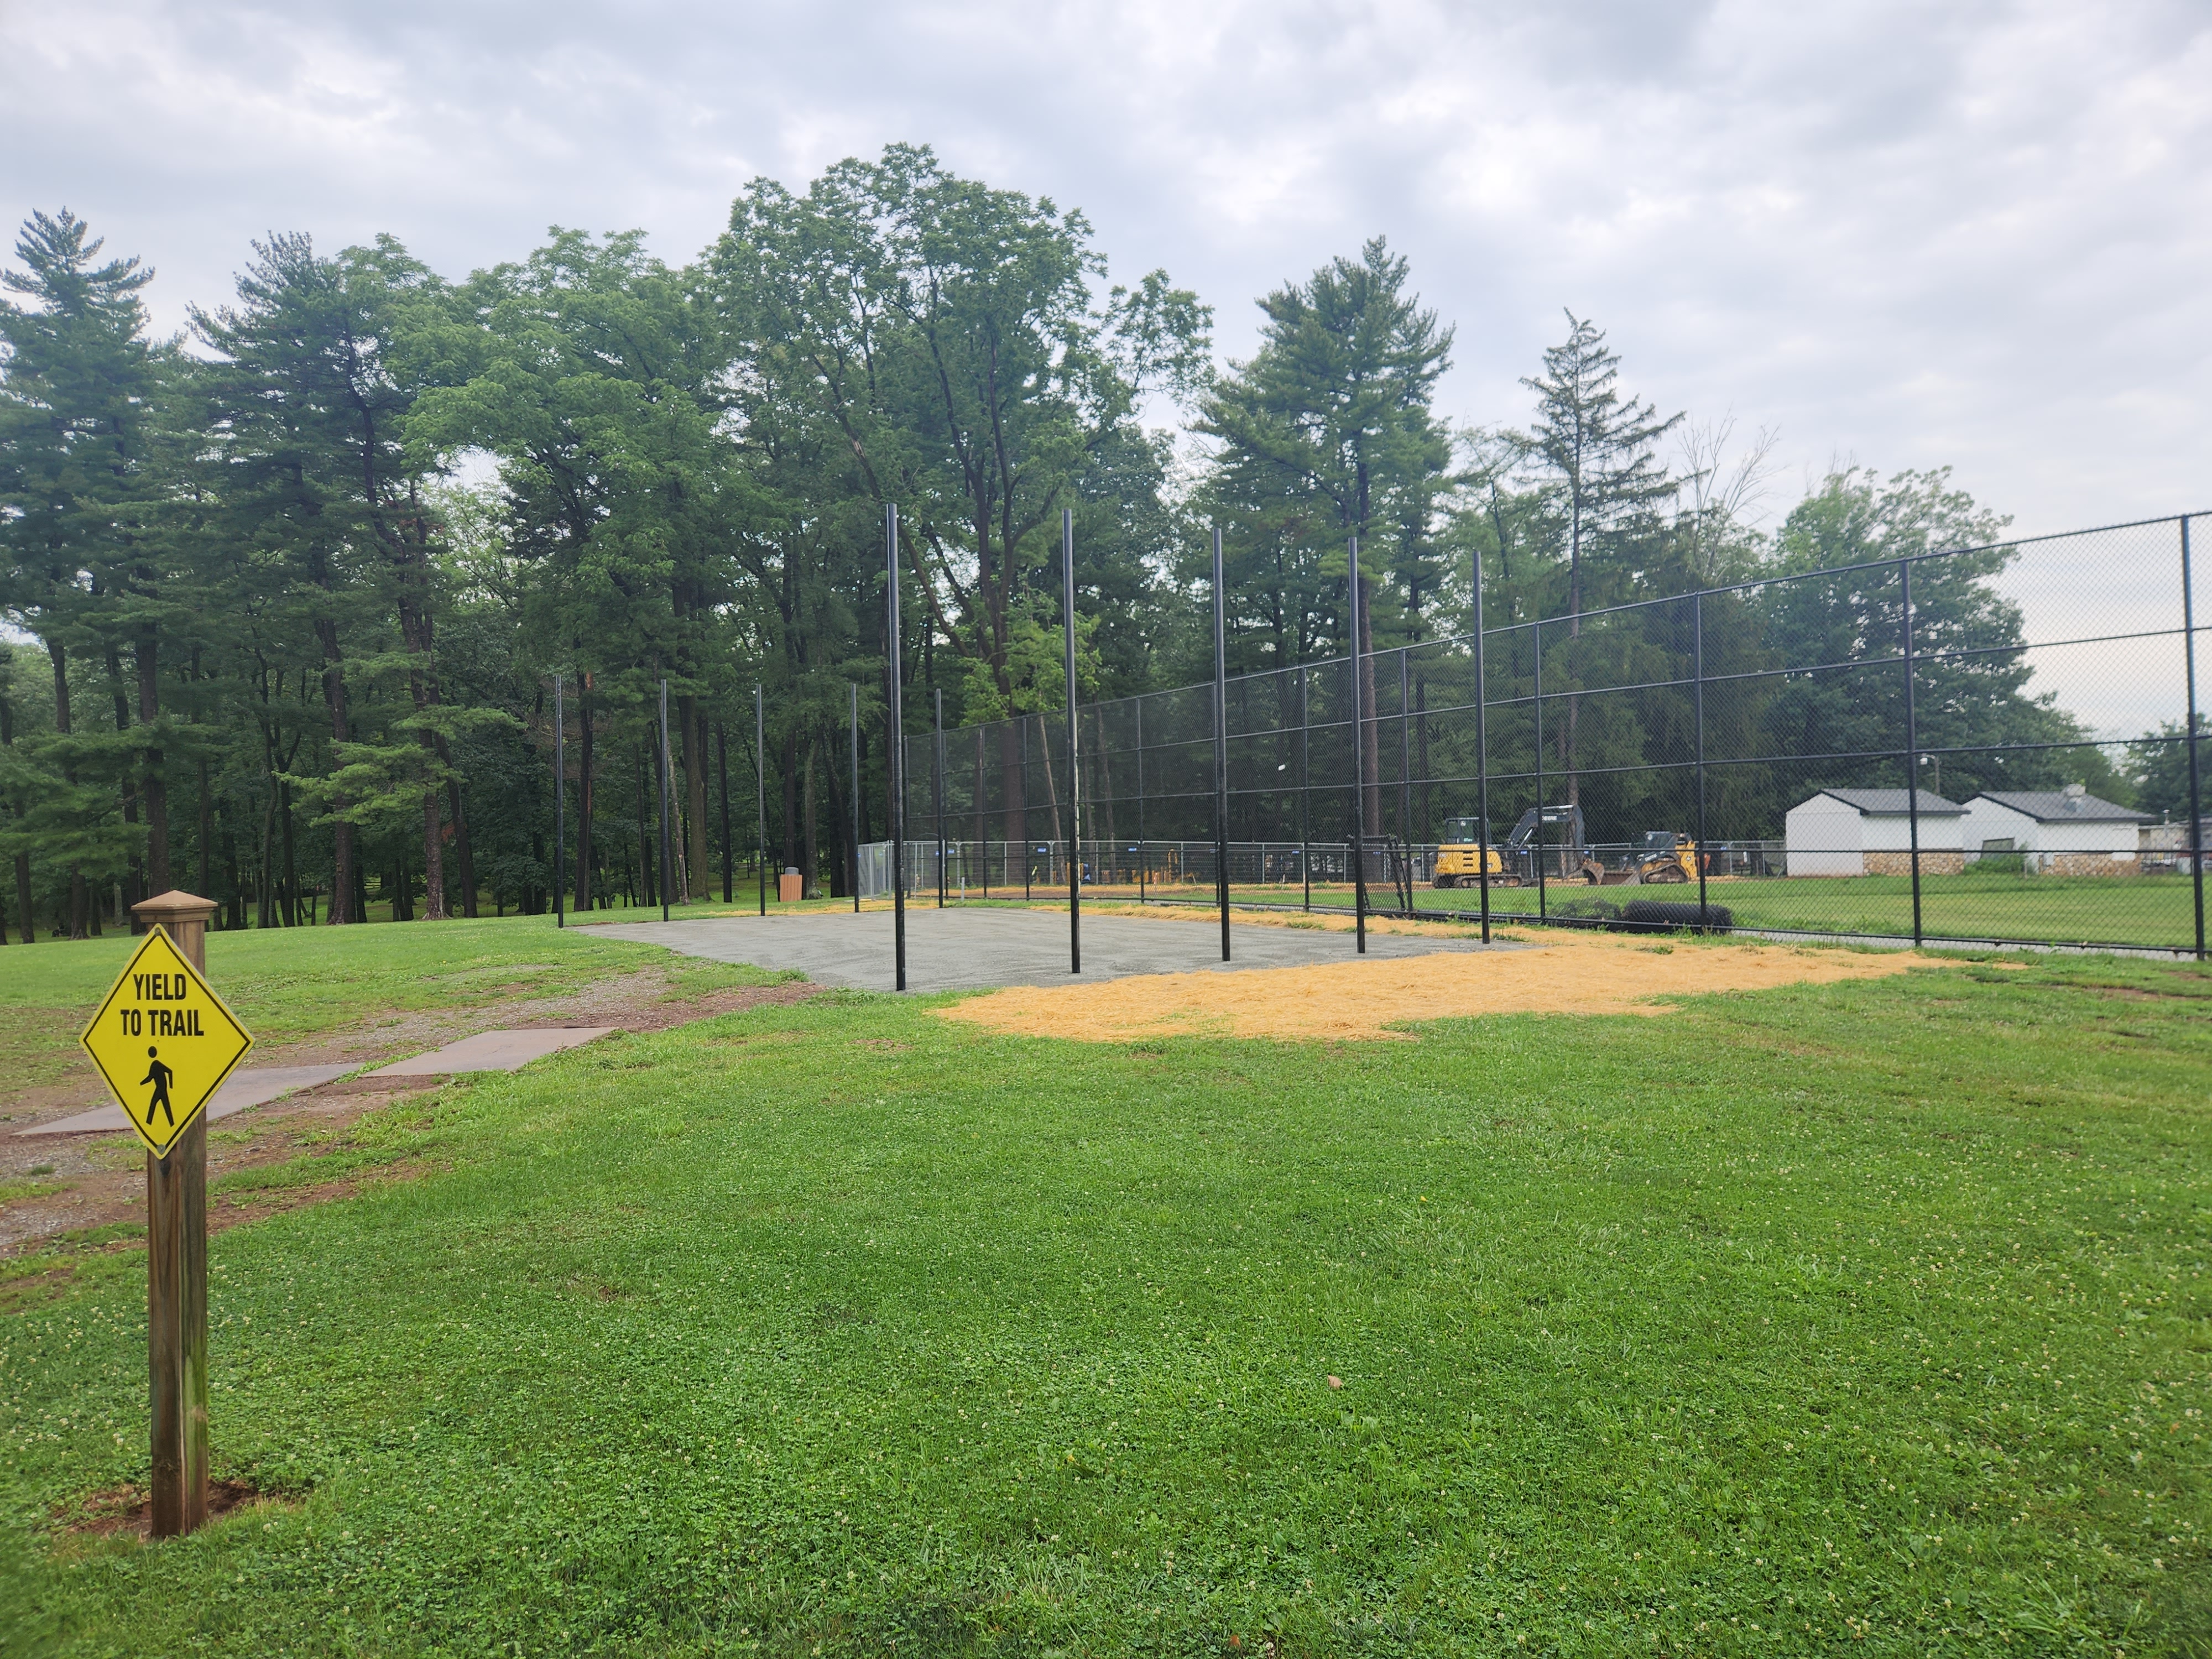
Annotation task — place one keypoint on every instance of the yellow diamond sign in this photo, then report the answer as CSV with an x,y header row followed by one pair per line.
x,y
164,1040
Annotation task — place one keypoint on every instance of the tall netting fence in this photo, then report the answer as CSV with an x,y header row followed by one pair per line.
x,y
1981,745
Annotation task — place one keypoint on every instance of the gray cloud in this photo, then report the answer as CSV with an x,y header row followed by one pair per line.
x,y
1974,234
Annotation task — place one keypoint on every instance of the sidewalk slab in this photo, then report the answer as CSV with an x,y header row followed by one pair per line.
x,y
243,1089
493,1051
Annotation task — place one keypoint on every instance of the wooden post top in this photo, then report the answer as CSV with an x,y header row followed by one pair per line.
x,y
175,906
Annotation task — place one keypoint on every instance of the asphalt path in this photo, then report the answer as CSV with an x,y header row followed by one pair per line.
x,y
968,949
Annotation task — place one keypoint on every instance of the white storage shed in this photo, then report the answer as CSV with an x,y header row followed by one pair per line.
x,y
2059,832
1869,832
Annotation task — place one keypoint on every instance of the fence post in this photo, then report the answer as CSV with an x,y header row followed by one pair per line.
x,y
1405,768
1536,857
2190,735
1481,755
896,714
1144,845
1359,764
1911,749
1698,636
1305,787
937,792
560,804
1220,749
760,793
1074,759
856,798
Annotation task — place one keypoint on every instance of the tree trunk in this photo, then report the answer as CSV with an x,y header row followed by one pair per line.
x,y
291,858
812,862
344,904
698,884
785,849
722,754
584,793
207,834
23,898
80,920
134,879
645,870
466,858
157,789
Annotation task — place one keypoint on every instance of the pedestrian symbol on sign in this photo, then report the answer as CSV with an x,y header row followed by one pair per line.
x,y
159,1076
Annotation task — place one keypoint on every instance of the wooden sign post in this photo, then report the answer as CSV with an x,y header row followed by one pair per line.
x,y
163,1019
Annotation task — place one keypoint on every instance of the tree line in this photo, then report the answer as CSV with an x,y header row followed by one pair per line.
x,y
287,593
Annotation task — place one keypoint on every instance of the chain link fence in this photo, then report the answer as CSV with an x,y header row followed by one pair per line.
x,y
1981,745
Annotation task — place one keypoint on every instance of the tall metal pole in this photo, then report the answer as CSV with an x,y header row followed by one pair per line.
x,y
1143,850
856,797
1305,787
1698,636
1221,750
666,781
760,793
898,719
1074,749
1405,771
1911,748
1481,757
937,792
1359,764
1536,644
2196,796
560,804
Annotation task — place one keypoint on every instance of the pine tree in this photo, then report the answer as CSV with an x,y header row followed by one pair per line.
x,y
1596,456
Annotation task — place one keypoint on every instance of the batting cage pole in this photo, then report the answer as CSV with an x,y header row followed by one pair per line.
x,y
1074,766
856,797
560,805
760,794
937,792
1359,764
1481,757
897,716
1221,750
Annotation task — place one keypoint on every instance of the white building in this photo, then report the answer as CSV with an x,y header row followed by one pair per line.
x,y
2061,832
1869,832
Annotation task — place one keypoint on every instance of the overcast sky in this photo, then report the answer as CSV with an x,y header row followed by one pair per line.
x,y
1974,234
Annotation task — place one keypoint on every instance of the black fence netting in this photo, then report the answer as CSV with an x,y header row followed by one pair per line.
x,y
1993,743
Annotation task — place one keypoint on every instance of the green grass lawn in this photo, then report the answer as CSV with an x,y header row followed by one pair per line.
x,y
1869,1318
290,983
2152,910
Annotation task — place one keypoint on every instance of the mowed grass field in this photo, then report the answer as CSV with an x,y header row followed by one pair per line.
x,y
1865,1318
291,984
2158,911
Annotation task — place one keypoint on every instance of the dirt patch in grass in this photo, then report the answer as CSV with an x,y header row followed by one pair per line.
x,y
128,1511
1558,974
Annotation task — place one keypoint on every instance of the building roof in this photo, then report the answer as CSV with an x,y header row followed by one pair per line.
x,y
1891,803
2056,807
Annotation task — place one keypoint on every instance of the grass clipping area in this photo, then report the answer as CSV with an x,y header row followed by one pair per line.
x,y
1362,998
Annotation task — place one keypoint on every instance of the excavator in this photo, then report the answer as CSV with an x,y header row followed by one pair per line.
x,y
1460,857
1664,858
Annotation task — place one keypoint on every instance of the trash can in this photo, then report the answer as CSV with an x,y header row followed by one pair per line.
x,y
789,889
